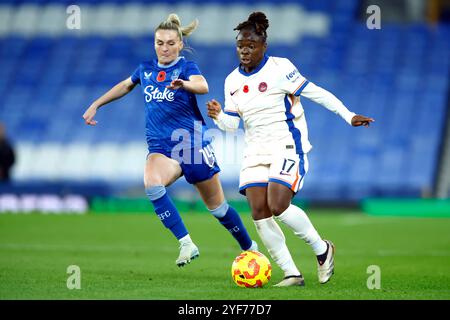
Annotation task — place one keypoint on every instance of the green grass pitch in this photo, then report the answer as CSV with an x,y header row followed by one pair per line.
x,y
133,257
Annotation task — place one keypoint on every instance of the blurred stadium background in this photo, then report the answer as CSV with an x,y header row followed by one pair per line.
x,y
49,75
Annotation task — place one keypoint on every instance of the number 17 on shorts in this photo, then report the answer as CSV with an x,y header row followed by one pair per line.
x,y
289,171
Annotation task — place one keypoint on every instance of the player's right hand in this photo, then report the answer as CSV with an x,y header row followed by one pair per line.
x,y
214,108
88,116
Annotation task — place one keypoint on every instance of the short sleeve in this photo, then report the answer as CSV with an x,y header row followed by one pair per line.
x,y
192,69
136,75
292,81
230,107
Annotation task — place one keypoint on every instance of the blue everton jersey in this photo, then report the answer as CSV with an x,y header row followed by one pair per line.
x,y
168,110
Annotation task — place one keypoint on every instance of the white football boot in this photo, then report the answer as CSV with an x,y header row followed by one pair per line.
x,y
326,270
290,281
188,252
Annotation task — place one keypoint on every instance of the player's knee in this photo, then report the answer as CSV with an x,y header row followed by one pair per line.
x,y
278,207
151,181
155,192
260,212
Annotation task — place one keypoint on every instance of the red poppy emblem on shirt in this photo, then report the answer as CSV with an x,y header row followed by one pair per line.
x,y
262,86
161,76
245,89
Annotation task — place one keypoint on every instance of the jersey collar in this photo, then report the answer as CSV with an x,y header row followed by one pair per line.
x,y
174,62
259,67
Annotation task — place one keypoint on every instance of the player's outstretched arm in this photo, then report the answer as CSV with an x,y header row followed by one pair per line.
x,y
196,84
329,101
222,120
116,92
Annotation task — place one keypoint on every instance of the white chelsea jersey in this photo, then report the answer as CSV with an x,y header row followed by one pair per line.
x,y
273,116
267,100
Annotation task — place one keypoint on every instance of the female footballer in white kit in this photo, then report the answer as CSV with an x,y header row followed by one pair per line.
x,y
264,92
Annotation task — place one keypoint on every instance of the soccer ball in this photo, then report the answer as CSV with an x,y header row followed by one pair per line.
x,y
251,269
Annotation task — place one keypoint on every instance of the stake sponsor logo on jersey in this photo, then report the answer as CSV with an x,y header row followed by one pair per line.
x,y
154,94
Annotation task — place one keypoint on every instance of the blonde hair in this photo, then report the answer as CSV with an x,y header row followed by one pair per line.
x,y
173,22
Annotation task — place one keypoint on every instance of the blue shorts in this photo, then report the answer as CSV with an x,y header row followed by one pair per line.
x,y
197,164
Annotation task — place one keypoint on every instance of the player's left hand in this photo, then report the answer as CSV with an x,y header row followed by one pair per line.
x,y
176,84
359,120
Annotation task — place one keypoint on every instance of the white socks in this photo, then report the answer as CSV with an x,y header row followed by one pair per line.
x,y
297,220
273,238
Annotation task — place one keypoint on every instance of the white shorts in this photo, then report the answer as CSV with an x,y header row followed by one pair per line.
x,y
288,171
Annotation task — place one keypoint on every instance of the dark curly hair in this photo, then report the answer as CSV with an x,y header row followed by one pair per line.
x,y
258,21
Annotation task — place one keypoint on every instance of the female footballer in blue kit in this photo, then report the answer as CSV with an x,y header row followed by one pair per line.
x,y
264,91
169,84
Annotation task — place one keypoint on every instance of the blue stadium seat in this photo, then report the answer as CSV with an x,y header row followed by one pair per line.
x,y
397,76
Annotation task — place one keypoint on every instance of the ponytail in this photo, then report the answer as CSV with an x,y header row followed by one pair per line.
x,y
173,22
